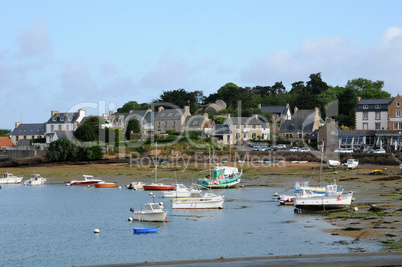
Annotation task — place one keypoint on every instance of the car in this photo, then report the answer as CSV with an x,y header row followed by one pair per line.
x,y
280,146
255,148
263,148
294,149
368,150
305,149
348,150
339,150
379,151
272,148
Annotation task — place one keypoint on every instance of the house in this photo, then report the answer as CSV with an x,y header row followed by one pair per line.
x,y
5,142
279,113
196,123
63,134
395,114
372,114
171,119
67,121
147,124
328,135
246,128
221,132
304,122
118,120
28,131
24,144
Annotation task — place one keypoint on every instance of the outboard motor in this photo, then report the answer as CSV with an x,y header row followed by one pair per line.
x,y
132,209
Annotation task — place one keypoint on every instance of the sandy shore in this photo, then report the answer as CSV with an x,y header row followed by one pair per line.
x,y
378,197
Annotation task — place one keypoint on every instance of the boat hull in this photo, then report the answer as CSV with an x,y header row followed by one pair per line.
x,y
105,185
83,183
324,202
13,180
145,230
146,216
221,183
215,202
158,187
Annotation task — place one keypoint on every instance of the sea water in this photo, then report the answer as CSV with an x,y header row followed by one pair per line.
x,y
53,225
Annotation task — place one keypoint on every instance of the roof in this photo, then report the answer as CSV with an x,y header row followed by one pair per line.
x,y
118,115
5,141
209,124
247,121
65,134
194,121
273,109
149,118
62,118
374,104
169,114
303,114
351,133
30,129
138,114
294,126
221,129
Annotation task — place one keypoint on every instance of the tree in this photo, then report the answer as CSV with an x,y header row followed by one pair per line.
x,y
134,126
5,132
127,107
89,130
367,89
181,98
62,150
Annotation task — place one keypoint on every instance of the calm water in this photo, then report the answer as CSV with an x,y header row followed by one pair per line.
x,y
53,225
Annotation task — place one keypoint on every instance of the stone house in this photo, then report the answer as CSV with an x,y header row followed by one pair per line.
x,y
27,131
246,128
170,119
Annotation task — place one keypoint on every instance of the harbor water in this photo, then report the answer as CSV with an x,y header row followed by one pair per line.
x,y
53,225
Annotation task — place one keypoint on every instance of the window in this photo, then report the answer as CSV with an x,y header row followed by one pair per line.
x,y
70,118
397,113
365,126
174,123
165,123
54,118
59,127
51,128
395,126
365,116
398,103
67,127
400,126
237,126
253,135
177,114
254,126
61,118
25,137
377,106
378,116
163,115
377,126
195,122
365,106
170,115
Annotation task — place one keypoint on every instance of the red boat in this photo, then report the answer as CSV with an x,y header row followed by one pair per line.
x,y
105,185
159,186
88,180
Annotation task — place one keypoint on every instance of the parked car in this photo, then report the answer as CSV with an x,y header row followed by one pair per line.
x,y
305,149
263,148
379,151
339,150
272,148
294,149
255,148
281,147
368,150
348,150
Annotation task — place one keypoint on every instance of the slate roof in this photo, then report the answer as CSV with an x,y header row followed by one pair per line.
x,y
273,109
30,129
194,121
66,134
138,114
149,118
169,114
373,103
221,129
351,133
248,121
303,114
294,126
5,141
61,118
24,142
118,115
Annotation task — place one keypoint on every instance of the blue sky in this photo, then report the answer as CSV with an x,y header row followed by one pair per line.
x,y
98,55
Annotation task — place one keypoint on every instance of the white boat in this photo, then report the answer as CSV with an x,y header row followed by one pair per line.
x,y
181,191
35,180
153,213
332,199
200,201
309,191
88,180
332,164
350,164
9,178
135,185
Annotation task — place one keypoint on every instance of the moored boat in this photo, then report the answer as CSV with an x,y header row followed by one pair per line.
x,y
103,184
153,213
88,180
9,178
145,230
135,185
222,177
332,164
180,191
200,201
289,199
36,179
158,187
350,164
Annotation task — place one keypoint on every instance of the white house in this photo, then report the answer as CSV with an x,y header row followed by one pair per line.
x,y
68,121
372,114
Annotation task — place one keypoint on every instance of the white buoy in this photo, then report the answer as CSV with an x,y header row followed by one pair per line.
x,y
88,186
151,194
96,231
276,194
130,219
119,186
356,208
353,199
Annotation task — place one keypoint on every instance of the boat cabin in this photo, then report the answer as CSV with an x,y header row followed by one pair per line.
x,y
154,206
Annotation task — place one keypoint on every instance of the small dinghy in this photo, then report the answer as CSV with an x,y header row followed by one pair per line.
x,y
145,230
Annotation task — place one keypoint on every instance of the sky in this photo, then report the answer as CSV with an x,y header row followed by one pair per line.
x,y
98,55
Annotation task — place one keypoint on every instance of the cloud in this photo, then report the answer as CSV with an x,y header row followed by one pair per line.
x,y
35,40
76,80
108,69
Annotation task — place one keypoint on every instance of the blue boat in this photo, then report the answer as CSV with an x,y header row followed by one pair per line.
x,y
267,161
145,230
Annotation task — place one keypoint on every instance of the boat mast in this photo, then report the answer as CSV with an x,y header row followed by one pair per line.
x,y
156,162
322,154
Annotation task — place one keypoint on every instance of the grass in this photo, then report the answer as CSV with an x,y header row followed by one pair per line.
x,y
392,245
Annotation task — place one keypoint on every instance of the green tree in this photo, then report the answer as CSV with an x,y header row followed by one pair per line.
x,y
5,132
89,130
367,89
181,98
131,105
134,126
62,150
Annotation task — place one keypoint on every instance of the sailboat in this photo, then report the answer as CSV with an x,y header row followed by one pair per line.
x,y
156,185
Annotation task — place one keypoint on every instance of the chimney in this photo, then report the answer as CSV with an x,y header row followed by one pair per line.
x,y
259,106
187,110
110,112
256,116
287,105
228,116
358,99
295,110
206,116
17,124
53,112
160,109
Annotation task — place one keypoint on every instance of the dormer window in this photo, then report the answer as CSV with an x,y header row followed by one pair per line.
x,y
177,114
54,118
398,103
195,122
377,106
61,118
163,115
70,118
365,106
